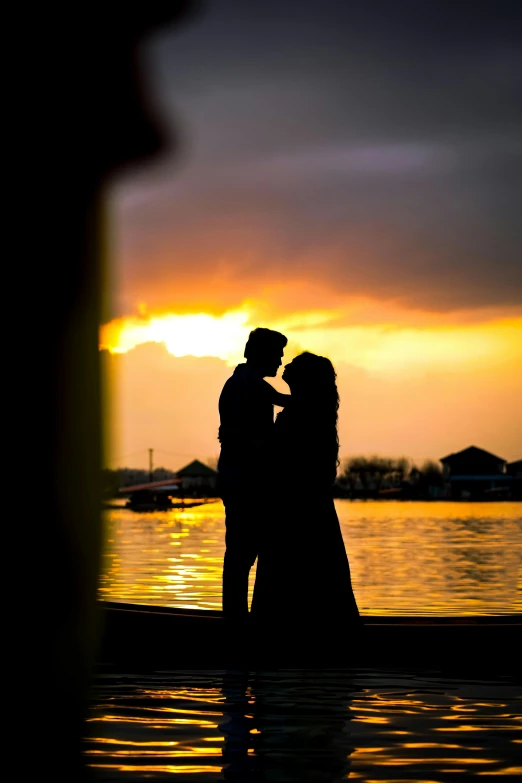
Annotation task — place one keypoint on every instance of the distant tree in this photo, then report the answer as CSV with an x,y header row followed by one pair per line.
x,y
355,473
379,468
414,475
162,474
364,472
400,469
365,476
370,474
129,476
431,474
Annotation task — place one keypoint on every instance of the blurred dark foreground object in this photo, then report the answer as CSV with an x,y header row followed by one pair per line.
x,y
83,115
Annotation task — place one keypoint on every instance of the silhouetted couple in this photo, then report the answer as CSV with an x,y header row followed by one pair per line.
x,y
276,484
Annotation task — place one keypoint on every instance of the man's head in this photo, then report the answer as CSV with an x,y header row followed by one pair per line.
x,y
264,350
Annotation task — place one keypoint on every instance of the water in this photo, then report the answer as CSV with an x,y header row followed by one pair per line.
x,y
406,557
304,726
321,726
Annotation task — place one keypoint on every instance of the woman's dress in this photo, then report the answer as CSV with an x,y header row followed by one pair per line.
x,y
303,583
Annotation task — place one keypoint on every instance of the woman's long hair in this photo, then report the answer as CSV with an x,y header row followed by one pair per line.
x,y
315,396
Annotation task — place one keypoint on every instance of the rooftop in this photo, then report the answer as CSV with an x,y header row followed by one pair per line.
x,y
196,469
472,452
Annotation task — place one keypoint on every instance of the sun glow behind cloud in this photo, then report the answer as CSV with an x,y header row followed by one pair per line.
x,y
198,334
376,348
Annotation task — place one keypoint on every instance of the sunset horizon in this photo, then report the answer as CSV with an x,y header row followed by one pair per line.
x,y
153,353
337,181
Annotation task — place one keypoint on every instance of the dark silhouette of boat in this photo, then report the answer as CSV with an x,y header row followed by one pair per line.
x,y
158,496
152,506
152,636
162,505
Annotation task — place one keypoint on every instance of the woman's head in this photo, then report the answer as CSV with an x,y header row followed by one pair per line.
x,y
309,375
315,399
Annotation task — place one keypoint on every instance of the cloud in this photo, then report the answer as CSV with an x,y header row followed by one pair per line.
x,y
369,150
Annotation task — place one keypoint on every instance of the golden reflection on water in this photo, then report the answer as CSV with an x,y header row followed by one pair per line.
x,y
406,557
148,771
303,725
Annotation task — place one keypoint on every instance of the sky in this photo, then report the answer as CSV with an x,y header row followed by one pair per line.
x,y
349,173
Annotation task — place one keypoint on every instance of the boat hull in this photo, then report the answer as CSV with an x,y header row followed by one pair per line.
x,y
146,636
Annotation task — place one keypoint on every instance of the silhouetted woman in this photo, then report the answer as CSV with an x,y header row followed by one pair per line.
x,y
303,591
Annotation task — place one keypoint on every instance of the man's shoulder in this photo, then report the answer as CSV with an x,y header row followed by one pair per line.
x,y
234,385
243,377
245,383
235,380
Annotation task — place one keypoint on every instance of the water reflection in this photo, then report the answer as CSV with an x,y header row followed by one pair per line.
x,y
406,557
299,725
289,725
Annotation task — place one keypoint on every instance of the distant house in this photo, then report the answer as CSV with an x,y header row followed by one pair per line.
x,y
514,469
197,480
474,473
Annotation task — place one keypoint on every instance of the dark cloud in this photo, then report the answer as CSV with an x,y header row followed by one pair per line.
x,y
371,146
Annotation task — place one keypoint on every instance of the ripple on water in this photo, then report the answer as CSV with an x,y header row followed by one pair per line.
x,y
405,557
300,725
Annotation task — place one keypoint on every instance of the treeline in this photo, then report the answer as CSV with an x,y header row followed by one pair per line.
x,y
358,477
370,477
113,479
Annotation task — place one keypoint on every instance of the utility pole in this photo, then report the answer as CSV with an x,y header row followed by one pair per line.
x,y
150,464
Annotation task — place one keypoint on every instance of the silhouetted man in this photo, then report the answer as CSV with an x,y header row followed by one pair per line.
x,y
246,409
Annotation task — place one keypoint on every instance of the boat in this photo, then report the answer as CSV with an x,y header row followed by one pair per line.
x,y
158,496
154,636
182,504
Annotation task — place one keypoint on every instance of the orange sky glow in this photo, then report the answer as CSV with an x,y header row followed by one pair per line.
x,y
378,348
410,384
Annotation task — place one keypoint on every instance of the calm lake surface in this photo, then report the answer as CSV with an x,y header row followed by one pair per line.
x,y
406,557
304,726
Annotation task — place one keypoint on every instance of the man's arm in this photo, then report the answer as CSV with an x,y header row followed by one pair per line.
x,y
276,398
